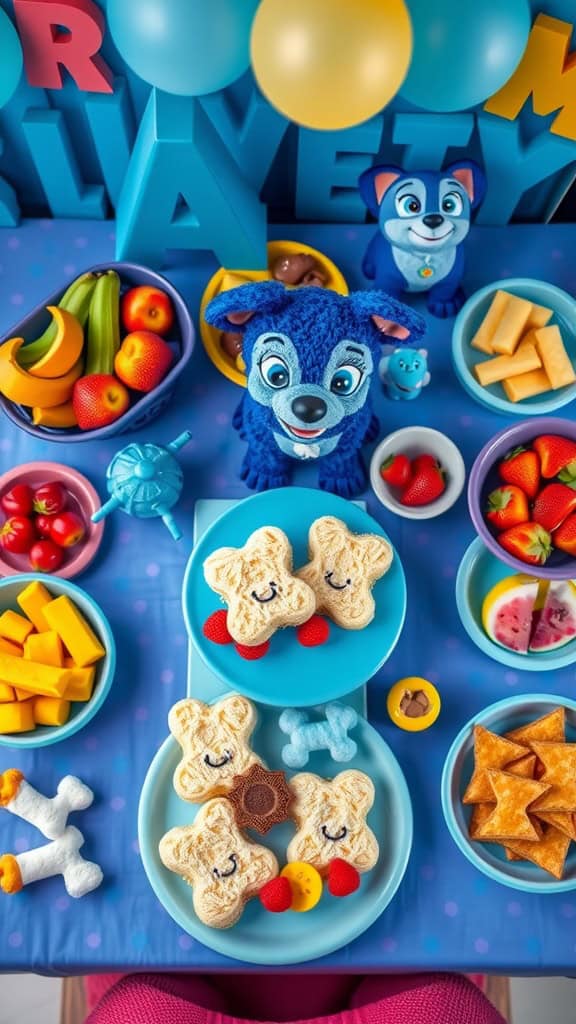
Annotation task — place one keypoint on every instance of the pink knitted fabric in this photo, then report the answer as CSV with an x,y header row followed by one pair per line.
x,y
188,999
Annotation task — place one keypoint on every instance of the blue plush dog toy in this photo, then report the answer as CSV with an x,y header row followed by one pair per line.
x,y
310,355
423,218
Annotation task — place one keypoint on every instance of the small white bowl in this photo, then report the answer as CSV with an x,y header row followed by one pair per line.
x,y
413,441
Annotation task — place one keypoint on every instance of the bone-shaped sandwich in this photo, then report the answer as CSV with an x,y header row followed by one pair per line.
x,y
48,814
330,815
60,857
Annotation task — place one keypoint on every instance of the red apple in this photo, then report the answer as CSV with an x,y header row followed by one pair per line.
x,y
98,400
143,360
147,309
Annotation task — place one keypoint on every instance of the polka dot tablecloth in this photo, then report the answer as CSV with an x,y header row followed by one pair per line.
x,y
446,915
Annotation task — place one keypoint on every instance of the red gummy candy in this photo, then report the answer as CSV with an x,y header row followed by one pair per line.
x,y
343,879
215,628
276,895
314,632
253,653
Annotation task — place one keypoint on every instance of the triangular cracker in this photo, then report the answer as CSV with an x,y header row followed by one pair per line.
x,y
559,760
510,819
548,729
490,751
561,820
550,853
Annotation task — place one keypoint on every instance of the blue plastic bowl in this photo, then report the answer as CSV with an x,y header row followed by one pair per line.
x,y
144,408
489,857
480,571
464,357
80,714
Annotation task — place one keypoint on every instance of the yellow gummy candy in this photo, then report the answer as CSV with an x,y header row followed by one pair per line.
x,y
306,885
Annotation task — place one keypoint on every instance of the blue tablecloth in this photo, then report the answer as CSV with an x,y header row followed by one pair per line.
x,y
445,915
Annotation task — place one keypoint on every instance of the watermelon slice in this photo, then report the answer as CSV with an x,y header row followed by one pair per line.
x,y
507,612
555,624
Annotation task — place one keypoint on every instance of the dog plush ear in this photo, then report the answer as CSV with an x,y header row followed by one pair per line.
x,y
471,177
374,184
231,310
382,317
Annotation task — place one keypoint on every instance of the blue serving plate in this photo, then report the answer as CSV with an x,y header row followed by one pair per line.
x,y
81,713
291,675
143,408
464,357
260,937
479,571
490,858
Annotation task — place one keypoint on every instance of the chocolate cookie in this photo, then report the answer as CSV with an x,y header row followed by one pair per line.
x,y
414,704
231,344
260,799
294,268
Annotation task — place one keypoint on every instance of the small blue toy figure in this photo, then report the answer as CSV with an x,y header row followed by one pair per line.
x,y
423,219
310,355
404,373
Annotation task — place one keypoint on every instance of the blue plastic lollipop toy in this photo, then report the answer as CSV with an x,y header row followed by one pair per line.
x,y
145,481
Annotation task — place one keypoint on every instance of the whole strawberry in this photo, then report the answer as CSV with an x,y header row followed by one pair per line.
x,y
553,505
556,454
521,467
507,506
276,895
396,470
529,542
99,399
565,536
426,485
343,878
143,360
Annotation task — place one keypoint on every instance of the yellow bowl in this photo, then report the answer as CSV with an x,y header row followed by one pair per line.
x,y
234,369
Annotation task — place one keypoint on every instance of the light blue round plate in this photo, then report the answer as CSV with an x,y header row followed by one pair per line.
x,y
289,674
490,858
479,571
276,939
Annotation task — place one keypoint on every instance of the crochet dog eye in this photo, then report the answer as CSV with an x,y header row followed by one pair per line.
x,y
408,205
452,203
335,838
266,597
274,372
233,858
346,380
227,757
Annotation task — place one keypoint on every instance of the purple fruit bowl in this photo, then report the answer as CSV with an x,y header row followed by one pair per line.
x,y
144,407
484,478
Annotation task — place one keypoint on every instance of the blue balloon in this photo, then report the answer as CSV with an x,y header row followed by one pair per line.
x,y
11,62
464,50
187,47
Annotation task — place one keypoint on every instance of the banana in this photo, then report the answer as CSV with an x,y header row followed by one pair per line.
x,y
76,300
59,416
22,388
103,339
66,348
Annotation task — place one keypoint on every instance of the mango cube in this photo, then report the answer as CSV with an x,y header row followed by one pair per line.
x,y
29,675
76,634
15,627
7,695
9,648
32,600
17,717
81,685
51,710
45,648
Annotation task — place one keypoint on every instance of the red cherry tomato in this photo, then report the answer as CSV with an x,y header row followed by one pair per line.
x,y
49,498
18,500
46,556
42,524
17,535
66,529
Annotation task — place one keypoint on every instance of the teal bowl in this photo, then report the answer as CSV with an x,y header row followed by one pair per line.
x,y
490,858
464,357
80,714
479,571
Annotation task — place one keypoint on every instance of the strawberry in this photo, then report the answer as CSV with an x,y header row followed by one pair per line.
x,y
215,628
565,536
396,470
507,506
98,400
423,460
426,485
143,360
528,541
556,453
343,879
253,653
553,505
521,467
276,895
314,632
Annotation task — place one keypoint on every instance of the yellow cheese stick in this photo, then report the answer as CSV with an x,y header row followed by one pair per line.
x,y
554,356
82,683
7,695
51,710
539,316
17,717
32,600
29,675
482,340
511,326
527,385
75,633
493,370
45,648
15,627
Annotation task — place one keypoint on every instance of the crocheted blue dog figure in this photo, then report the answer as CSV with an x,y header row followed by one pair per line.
x,y
310,355
423,219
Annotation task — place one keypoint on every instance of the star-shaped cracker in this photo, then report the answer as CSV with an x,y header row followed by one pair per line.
x,y
550,853
551,728
563,821
490,751
524,769
559,761
509,819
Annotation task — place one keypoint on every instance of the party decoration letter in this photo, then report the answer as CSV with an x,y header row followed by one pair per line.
x,y
47,47
547,72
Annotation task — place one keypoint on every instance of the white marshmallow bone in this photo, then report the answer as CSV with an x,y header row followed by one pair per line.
x,y
48,814
60,857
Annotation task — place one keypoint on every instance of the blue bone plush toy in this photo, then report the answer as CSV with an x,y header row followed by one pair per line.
x,y
404,372
310,355
306,736
423,219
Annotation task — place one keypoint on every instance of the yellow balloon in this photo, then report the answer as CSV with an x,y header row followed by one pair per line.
x,y
330,64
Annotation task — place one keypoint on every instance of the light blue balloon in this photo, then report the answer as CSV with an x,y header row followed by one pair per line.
x,y
186,47
10,59
464,50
